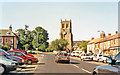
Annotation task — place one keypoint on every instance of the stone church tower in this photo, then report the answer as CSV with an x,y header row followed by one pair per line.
x,y
66,33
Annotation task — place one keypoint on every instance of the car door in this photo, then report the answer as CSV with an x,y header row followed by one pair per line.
x,y
20,55
12,53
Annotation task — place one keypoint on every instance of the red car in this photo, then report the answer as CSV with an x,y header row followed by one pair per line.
x,y
27,59
23,52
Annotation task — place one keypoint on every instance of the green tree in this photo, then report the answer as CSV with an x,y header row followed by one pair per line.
x,y
40,38
83,45
27,46
8,46
4,48
59,44
25,38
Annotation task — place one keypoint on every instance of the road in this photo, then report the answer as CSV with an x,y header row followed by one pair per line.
x,y
48,65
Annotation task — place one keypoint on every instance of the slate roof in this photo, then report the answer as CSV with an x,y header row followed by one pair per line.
x,y
106,38
6,32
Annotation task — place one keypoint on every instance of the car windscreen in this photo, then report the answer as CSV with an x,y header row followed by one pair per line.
x,y
5,52
63,54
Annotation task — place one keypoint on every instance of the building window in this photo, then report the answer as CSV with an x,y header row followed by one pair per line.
x,y
0,40
66,25
6,40
114,41
11,40
62,25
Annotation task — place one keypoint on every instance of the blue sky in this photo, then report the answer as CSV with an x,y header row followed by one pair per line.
x,y
87,17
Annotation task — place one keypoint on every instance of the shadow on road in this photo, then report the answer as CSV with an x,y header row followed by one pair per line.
x,y
26,67
40,63
74,63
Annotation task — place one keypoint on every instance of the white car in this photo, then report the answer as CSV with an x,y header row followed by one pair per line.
x,y
86,57
103,58
96,57
76,53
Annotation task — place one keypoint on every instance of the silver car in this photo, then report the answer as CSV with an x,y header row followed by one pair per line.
x,y
7,65
112,69
62,57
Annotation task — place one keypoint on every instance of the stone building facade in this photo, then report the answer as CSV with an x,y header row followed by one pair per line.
x,y
66,33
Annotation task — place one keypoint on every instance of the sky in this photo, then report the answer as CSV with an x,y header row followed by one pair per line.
x,y
87,17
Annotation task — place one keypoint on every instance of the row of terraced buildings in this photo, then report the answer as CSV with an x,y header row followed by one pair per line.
x,y
105,44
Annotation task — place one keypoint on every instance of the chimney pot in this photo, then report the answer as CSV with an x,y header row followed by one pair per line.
x,y
109,34
116,32
92,38
10,28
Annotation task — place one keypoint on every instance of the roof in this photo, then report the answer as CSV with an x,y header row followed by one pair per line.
x,y
6,32
98,40
76,41
94,41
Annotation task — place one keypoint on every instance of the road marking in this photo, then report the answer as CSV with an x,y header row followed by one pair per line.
x,y
76,66
86,70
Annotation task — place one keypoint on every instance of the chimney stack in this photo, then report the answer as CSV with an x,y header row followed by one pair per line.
x,y
10,28
92,38
109,34
116,32
102,35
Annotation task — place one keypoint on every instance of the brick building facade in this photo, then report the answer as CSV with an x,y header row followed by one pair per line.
x,y
8,37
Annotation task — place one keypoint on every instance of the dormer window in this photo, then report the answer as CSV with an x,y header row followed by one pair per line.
x,y
8,33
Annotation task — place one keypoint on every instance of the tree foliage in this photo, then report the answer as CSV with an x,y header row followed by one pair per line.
x,y
83,45
40,39
33,39
59,44
4,48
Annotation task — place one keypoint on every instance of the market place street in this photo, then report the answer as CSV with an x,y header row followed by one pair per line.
x,y
48,65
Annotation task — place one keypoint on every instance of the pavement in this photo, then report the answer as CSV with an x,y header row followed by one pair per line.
x,y
47,65
28,68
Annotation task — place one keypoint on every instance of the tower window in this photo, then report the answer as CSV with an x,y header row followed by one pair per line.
x,y
66,25
62,25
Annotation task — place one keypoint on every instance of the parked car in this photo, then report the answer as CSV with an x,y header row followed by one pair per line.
x,y
7,65
76,53
103,58
111,69
9,56
27,59
62,57
86,57
25,52
96,57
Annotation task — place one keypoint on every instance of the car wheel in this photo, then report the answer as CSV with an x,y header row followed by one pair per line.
x,y
29,62
104,61
94,73
2,69
68,62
